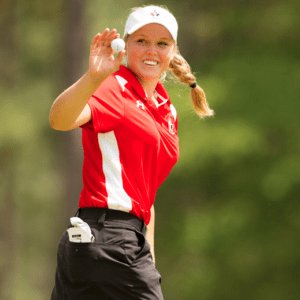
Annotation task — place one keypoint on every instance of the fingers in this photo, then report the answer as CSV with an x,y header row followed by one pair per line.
x,y
119,57
95,41
102,58
109,38
104,39
103,36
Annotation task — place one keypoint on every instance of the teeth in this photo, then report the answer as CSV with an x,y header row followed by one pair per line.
x,y
152,63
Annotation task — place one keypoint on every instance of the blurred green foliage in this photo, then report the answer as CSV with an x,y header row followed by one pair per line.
x,y
228,216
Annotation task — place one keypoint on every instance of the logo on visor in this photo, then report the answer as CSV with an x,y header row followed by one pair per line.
x,y
154,14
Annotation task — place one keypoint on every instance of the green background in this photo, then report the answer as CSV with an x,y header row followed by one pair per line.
x,y
228,216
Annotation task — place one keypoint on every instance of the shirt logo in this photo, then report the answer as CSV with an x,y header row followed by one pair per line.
x,y
140,104
171,126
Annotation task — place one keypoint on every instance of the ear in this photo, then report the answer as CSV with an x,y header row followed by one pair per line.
x,y
126,47
125,39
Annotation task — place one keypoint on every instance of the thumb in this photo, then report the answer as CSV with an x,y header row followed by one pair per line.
x,y
119,57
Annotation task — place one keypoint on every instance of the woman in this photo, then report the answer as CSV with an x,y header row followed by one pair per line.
x,y
130,142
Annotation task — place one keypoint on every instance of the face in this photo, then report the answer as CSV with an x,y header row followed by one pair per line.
x,y
150,50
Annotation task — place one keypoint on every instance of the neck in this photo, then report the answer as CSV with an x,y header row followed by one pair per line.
x,y
149,86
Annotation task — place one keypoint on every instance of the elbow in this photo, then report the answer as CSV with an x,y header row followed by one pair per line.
x,y
56,125
53,123
57,119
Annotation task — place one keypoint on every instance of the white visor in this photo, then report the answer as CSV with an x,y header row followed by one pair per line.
x,y
148,15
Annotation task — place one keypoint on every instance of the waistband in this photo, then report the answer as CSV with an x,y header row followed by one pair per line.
x,y
102,214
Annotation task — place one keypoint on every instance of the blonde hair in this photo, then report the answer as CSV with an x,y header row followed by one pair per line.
x,y
181,69
182,72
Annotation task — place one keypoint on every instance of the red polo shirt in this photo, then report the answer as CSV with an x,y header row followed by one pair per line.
x,y
130,145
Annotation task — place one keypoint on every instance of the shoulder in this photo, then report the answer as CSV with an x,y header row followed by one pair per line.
x,y
109,86
116,83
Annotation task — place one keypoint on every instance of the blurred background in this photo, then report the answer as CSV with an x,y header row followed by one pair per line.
x,y
228,216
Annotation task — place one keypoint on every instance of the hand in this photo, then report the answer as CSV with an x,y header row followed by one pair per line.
x,y
102,62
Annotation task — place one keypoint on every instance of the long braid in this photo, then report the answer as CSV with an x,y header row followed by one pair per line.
x,y
181,69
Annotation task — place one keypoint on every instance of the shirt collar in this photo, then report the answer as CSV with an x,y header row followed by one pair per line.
x,y
133,81
136,85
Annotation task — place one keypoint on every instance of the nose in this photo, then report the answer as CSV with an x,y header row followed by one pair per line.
x,y
151,50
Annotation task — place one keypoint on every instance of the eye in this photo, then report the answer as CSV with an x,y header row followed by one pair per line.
x,y
162,44
141,41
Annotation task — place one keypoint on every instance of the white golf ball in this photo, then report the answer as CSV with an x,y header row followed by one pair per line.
x,y
117,45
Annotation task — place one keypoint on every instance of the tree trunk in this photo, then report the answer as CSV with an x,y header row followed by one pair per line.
x,y
8,79
8,57
73,42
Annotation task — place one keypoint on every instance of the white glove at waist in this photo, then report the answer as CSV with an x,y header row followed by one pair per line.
x,y
81,233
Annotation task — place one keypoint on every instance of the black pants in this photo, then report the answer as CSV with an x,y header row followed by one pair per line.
x,y
117,266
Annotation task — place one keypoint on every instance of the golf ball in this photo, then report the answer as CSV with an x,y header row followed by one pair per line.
x,y
117,45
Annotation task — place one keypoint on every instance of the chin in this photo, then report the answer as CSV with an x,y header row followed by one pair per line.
x,y
149,77
146,75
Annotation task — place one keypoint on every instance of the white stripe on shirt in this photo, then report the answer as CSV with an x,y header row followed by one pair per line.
x,y
117,197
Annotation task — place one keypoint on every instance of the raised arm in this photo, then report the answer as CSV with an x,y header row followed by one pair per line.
x,y
70,109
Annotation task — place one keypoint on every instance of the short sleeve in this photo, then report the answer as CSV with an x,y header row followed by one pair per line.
x,y
107,107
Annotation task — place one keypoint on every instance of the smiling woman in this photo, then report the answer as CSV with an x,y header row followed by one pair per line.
x,y
149,52
130,142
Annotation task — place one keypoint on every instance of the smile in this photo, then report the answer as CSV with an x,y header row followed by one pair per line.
x,y
150,63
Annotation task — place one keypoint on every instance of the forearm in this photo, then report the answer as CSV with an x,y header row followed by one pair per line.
x,y
150,232
69,104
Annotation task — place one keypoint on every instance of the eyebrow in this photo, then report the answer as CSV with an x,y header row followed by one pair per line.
x,y
163,38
